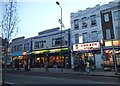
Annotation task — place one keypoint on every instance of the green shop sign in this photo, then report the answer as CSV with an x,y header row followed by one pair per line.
x,y
49,51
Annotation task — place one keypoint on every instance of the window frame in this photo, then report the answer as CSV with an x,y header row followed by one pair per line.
x,y
76,24
116,13
85,38
76,38
95,38
84,22
108,33
93,20
106,17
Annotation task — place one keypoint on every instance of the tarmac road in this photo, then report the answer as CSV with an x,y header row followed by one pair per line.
x,y
27,77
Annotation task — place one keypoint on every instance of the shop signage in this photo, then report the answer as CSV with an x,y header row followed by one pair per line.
x,y
41,51
86,46
24,53
108,43
55,50
115,43
37,52
52,51
49,51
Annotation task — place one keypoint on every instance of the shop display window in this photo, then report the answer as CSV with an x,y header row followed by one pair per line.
x,y
118,59
58,60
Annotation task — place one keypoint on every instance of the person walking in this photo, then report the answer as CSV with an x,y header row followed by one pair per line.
x,y
87,67
12,65
82,66
67,65
46,66
29,65
55,64
91,64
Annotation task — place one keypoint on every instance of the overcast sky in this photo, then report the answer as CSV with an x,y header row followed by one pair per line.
x,y
39,15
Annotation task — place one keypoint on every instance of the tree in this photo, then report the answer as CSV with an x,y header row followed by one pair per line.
x,y
10,20
9,28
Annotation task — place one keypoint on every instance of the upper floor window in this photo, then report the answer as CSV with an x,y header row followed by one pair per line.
x,y
106,17
14,48
116,15
76,38
93,20
26,46
84,22
117,32
36,45
76,25
85,37
39,44
19,48
108,34
57,41
94,36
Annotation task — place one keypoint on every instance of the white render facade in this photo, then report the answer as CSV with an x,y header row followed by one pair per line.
x,y
44,47
47,39
86,27
116,19
95,11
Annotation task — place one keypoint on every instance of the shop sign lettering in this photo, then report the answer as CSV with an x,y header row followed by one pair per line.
x,y
86,46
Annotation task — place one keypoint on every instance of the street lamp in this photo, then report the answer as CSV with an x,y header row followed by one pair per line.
x,y
61,32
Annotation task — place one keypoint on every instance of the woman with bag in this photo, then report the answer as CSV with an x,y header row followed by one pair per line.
x,y
87,67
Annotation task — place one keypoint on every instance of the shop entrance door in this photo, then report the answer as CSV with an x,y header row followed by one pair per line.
x,y
98,61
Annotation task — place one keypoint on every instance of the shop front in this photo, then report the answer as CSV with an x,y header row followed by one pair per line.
x,y
61,56
112,54
20,58
87,51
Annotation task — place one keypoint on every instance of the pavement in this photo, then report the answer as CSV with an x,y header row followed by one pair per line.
x,y
70,71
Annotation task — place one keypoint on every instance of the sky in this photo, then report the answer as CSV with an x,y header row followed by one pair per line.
x,y
40,15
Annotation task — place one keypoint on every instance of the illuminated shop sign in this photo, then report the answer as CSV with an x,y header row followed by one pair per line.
x,y
52,51
55,50
86,46
108,43
49,51
24,53
115,43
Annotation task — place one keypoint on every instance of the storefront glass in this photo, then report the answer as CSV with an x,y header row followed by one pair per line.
x,y
109,60
118,58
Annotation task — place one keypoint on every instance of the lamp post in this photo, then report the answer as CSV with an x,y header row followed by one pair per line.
x,y
61,32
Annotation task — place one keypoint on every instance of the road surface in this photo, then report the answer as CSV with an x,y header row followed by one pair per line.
x,y
18,77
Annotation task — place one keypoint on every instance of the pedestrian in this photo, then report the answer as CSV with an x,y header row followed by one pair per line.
x,y
17,65
46,66
29,65
82,66
55,64
87,67
91,64
12,65
25,65
67,65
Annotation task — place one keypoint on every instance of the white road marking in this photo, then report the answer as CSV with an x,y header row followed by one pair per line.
x,y
9,83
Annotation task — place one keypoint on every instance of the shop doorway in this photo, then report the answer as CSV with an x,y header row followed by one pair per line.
x,y
98,61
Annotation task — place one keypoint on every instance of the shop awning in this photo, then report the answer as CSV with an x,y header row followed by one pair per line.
x,y
111,48
49,51
21,53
